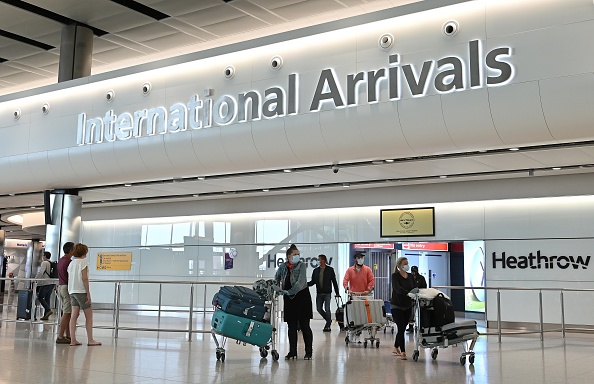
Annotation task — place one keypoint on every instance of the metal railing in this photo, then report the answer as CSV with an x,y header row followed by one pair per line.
x,y
118,308
541,328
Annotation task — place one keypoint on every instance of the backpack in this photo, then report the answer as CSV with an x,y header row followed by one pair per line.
x,y
443,311
53,270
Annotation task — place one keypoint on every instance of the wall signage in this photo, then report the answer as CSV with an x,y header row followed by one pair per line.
x,y
539,261
114,261
443,75
407,222
443,247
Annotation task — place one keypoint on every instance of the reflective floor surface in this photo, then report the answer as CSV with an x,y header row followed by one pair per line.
x,y
29,355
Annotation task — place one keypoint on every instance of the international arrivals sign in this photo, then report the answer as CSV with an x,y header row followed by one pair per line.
x,y
447,74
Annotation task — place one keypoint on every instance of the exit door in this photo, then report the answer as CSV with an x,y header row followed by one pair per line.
x,y
379,262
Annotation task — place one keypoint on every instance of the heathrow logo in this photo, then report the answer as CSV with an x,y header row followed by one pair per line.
x,y
540,261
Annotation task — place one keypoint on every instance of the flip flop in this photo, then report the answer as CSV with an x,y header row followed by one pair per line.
x,y
94,344
74,345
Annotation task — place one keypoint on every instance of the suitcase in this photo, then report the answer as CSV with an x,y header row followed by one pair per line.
x,y
25,299
242,329
458,330
443,311
431,335
362,312
243,302
339,314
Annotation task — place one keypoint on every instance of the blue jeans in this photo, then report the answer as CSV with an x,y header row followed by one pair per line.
x,y
323,307
44,295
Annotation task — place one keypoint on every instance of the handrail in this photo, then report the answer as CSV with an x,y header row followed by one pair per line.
x,y
540,307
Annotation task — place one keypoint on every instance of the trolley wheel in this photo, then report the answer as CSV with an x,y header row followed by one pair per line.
x,y
365,344
416,355
434,354
218,354
377,344
462,360
274,354
346,340
471,359
263,352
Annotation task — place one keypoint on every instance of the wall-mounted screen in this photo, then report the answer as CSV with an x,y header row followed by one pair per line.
x,y
474,276
407,222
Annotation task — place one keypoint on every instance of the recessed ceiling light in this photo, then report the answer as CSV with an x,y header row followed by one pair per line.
x,y
265,190
11,194
201,177
316,185
127,185
377,162
346,185
389,160
556,168
514,149
33,207
195,195
443,177
134,199
287,170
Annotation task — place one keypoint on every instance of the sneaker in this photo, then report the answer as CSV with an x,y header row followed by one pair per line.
x,y
307,356
62,340
327,329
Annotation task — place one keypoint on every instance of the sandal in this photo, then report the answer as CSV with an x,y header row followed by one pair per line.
x,y
403,356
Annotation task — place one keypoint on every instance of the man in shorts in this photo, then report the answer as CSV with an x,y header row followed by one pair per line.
x,y
64,332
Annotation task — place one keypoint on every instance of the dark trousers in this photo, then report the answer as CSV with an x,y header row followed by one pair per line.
x,y
401,317
323,307
307,335
44,296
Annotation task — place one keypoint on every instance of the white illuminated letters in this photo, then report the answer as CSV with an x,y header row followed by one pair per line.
x,y
448,74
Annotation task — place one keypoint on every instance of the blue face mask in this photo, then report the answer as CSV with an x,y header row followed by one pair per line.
x,y
295,259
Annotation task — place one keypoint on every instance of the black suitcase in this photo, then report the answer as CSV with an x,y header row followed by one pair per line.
x,y
339,314
242,302
24,305
443,311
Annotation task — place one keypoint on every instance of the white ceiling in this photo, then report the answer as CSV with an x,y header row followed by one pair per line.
x,y
133,38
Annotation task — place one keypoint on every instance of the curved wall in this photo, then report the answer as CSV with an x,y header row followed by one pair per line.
x,y
547,99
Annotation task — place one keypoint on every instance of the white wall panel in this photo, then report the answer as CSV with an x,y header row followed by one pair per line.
x,y
517,114
341,133
306,139
423,125
507,17
40,168
55,133
21,172
82,164
239,147
154,156
180,153
209,149
468,119
62,168
381,120
567,105
15,139
265,132
105,160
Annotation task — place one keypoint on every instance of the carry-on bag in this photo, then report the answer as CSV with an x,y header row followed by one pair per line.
x,y
362,312
458,330
242,329
339,314
443,311
25,299
241,301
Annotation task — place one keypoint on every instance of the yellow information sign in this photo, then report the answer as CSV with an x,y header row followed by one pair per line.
x,y
114,261
407,222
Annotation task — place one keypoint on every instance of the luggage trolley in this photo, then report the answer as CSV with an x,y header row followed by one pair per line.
x,y
435,337
248,331
364,314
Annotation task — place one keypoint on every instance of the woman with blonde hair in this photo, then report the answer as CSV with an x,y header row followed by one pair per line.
x,y
401,303
80,294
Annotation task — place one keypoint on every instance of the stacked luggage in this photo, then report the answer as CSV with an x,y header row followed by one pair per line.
x,y
364,314
245,315
437,327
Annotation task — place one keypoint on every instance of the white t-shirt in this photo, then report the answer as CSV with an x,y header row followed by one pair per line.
x,y
75,282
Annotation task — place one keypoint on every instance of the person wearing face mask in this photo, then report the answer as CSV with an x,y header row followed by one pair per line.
x,y
401,303
359,278
292,279
420,282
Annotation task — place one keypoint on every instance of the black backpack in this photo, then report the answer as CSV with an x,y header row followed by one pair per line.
x,y
443,311
53,270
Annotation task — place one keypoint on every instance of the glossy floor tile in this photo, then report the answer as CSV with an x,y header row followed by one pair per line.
x,y
29,355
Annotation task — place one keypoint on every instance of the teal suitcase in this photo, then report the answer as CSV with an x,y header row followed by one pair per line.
x,y
242,329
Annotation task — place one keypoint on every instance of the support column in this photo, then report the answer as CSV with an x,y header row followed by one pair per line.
x,y
65,211
76,53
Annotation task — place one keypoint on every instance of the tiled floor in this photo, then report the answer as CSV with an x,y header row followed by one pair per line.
x,y
30,355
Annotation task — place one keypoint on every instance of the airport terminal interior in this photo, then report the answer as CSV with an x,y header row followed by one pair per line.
x,y
189,143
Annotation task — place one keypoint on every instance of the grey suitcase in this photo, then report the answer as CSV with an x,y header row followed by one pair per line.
x,y
458,330
363,312
431,335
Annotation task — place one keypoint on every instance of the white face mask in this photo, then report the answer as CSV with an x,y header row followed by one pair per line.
x,y
295,259
360,261
405,268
